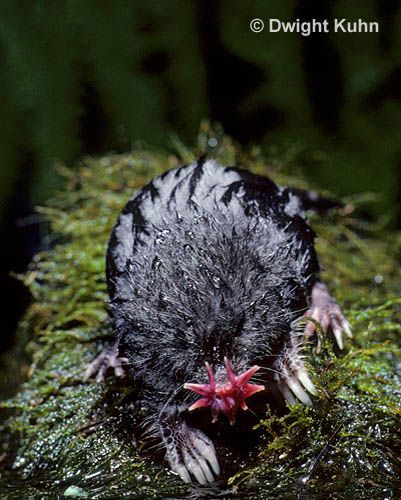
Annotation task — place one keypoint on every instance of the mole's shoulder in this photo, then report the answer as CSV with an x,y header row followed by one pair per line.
x,y
204,184
209,173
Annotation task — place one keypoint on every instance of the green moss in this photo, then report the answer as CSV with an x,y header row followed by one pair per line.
x,y
66,437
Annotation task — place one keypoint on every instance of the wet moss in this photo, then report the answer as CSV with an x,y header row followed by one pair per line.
x,y
66,437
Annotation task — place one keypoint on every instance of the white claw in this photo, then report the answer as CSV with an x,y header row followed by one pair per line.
x,y
297,389
212,459
206,471
198,459
338,334
208,452
287,394
183,473
198,473
194,467
307,382
347,329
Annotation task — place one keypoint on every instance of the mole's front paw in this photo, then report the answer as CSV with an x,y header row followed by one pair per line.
x,y
325,311
292,378
190,453
108,358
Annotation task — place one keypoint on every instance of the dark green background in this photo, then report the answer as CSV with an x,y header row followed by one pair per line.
x,y
79,77
83,77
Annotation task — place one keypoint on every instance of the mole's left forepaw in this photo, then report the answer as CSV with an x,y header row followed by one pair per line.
x,y
325,311
107,359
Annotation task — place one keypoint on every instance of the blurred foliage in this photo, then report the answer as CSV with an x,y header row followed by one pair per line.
x,y
340,94
55,52
66,437
81,77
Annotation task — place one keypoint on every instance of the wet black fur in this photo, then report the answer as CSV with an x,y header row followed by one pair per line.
x,y
206,262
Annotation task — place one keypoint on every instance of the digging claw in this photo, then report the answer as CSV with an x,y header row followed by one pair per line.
x,y
307,382
297,385
298,391
108,358
292,377
191,455
325,311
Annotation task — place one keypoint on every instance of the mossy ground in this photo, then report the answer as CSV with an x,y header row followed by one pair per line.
x,y
66,437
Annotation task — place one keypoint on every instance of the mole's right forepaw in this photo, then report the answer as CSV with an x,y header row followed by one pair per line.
x,y
108,358
190,453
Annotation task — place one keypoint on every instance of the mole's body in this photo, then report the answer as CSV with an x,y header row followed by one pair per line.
x,y
211,265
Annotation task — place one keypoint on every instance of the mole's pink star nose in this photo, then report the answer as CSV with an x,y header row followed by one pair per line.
x,y
225,398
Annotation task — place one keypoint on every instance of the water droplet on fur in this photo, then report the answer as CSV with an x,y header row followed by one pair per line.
x,y
156,263
217,282
386,467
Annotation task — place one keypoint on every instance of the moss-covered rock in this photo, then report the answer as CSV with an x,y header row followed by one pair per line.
x,y
66,437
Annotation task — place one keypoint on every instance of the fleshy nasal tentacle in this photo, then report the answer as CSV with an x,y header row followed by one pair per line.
x,y
227,398
212,380
204,389
231,377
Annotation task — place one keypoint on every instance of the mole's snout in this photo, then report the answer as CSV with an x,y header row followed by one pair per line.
x,y
225,398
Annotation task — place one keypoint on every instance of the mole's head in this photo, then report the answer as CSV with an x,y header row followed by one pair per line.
x,y
225,397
